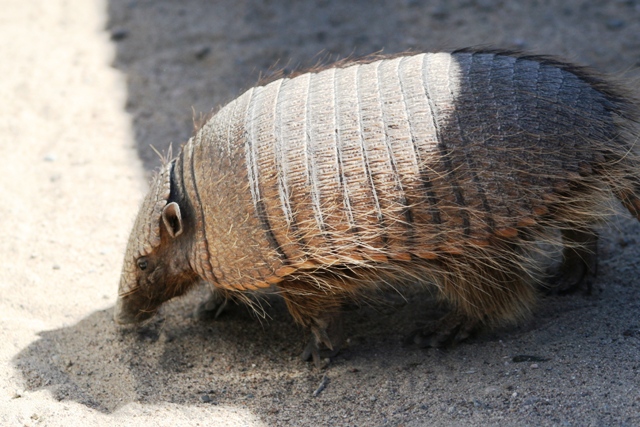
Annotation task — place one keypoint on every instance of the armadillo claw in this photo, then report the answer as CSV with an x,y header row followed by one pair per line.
x,y
446,331
313,352
326,332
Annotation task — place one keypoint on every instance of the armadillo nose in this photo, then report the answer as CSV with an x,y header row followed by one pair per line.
x,y
123,315
120,315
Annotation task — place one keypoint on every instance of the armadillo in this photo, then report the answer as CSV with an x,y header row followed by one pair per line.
x,y
439,169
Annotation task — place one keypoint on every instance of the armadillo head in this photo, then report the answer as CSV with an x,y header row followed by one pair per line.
x,y
156,266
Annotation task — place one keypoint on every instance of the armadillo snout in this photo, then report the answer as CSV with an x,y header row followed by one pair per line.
x,y
126,314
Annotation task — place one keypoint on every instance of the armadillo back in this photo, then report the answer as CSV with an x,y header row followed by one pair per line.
x,y
415,156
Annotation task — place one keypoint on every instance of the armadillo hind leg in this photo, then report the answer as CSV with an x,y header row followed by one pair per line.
x,y
319,313
579,261
450,329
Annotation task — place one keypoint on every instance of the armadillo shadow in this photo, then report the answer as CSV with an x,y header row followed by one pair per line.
x,y
179,359
238,361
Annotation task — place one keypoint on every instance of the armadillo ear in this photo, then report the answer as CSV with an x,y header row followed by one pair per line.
x,y
172,219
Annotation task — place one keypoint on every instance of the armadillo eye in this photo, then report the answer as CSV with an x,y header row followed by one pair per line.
x,y
142,263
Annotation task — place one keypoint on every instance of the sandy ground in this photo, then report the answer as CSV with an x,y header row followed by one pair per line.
x,y
87,86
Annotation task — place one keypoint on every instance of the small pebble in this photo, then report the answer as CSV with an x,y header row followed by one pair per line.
x,y
205,398
439,12
202,52
534,366
119,34
615,24
56,267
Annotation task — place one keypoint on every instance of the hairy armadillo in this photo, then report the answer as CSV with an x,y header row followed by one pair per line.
x,y
444,169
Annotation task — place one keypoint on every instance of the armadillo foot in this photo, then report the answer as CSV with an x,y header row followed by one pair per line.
x,y
326,339
212,307
580,262
446,331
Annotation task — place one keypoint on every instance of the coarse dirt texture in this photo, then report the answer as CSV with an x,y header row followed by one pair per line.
x,y
88,86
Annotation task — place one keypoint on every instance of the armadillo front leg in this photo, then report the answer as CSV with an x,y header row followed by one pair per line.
x,y
318,312
326,332
215,304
